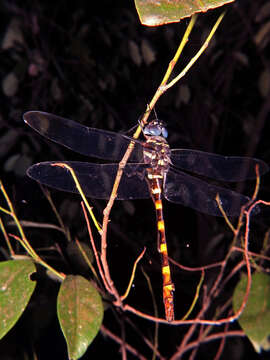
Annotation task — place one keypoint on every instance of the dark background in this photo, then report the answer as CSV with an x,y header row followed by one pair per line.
x,y
90,64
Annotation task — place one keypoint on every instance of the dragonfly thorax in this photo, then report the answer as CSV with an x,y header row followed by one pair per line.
x,y
157,154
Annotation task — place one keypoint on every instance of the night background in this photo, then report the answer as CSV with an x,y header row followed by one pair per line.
x,y
96,64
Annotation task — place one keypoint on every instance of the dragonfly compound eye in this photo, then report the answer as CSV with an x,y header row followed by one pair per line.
x,y
155,129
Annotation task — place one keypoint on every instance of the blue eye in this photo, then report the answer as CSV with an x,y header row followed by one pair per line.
x,y
164,132
155,129
152,130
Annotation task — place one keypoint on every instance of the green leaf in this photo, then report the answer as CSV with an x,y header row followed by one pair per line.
x,y
80,313
16,288
255,319
154,13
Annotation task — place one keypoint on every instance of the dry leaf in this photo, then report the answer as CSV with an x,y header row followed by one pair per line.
x,y
10,84
264,83
261,39
149,55
135,53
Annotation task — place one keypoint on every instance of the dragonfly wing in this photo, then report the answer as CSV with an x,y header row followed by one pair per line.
x,y
197,194
82,139
226,168
96,180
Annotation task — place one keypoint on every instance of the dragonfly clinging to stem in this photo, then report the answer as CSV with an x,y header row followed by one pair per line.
x,y
154,170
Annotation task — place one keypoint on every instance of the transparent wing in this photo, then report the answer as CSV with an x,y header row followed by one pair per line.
x,y
96,180
226,168
192,192
82,139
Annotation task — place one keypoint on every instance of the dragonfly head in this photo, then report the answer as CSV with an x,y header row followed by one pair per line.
x,y
155,128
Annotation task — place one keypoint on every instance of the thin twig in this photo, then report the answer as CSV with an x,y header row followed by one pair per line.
x,y
101,273
117,339
123,297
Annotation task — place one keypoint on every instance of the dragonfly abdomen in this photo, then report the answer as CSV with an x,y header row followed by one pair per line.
x,y
155,183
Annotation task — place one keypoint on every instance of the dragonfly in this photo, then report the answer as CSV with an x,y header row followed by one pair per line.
x,y
153,171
